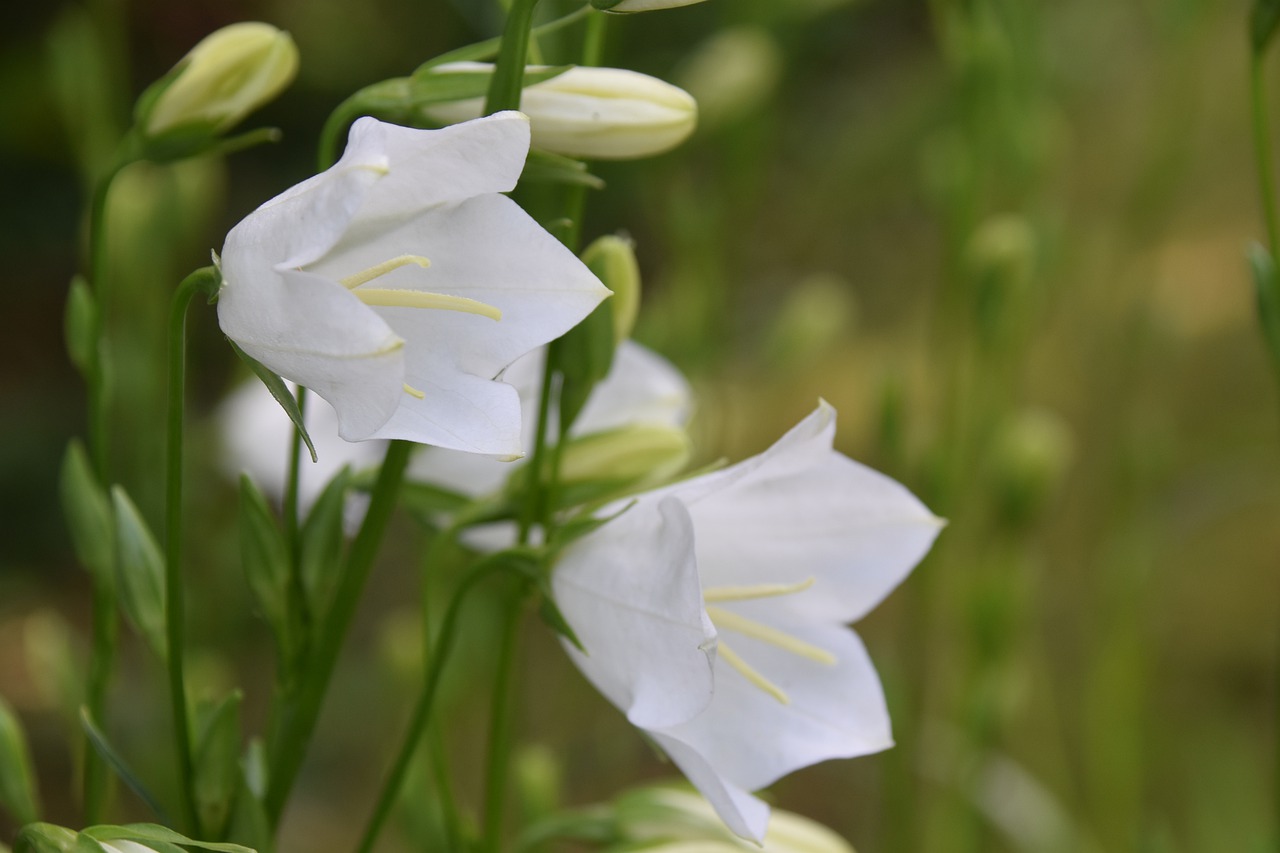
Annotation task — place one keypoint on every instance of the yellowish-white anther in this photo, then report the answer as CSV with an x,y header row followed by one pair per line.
x,y
397,298
353,281
760,590
731,657
729,621
414,392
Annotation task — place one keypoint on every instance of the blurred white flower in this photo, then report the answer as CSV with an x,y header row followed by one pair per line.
x,y
787,548
621,6
399,283
601,113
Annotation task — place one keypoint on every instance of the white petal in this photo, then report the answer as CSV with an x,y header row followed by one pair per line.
x,y
457,411
744,814
431,167
642,388
630,592
811,513
486,249
835,711
316,333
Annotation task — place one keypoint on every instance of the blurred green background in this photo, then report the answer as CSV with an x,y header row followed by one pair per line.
x,y
1004,238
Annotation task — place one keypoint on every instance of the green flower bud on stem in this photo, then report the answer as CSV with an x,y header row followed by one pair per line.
x,y
640,455
228,75
613,260
1033,453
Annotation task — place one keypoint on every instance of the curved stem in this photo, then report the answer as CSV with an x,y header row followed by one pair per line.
x,y
301,710
500,729
202,280
426,699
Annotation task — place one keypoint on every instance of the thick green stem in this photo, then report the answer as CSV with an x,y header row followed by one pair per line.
x,y
301,710
421,716
500,729
290,508
1262,153
508,70
203,280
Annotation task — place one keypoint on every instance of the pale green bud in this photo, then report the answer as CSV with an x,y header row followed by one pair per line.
x,y
596,113
627,6
613,260
637,455
733,73
1032,455
819,311
228,75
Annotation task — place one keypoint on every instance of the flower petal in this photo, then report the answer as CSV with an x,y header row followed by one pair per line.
x,y
432,167
630,592
316,333
457,411
744,814
835,710
813,513
642,388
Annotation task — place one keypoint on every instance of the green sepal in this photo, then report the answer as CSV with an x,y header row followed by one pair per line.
x,y
265,556
546,167
1267,296
217,764
44,838
139,573
320,551
18,789
103,747
579,526
197,139
1263,21
147,100
428,85
250,822
80,325
150,833
280,391
88,514
553,617
604,5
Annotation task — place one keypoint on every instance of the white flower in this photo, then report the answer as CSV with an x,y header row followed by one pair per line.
x,y
604,113
399,283
789,546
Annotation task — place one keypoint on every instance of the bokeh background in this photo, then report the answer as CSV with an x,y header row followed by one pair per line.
x,y
1004,238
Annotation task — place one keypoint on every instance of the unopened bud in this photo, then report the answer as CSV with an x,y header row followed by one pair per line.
x,y
228,75
599,113
1001,258
613,260
1032,455
626,6
637,456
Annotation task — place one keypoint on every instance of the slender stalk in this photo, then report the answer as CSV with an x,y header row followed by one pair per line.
x,y
301,710
290,507
500,729
1262,153
202,280
508,70
426,699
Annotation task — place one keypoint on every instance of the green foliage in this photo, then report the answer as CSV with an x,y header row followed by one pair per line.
x,y
80,326
265,556
320,551
280,392
139,573
217,763
18,790
98,741
88,515
1263,21
1267,299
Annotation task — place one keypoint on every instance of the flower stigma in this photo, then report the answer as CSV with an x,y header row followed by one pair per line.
x,y
404,298
728,620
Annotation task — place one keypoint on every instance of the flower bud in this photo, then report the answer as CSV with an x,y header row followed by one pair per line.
x,y
228,75
624,6
1032,455
599,113
636,456
613,260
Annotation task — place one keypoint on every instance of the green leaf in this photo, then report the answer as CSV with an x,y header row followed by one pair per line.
x,y
546,167
88,513
250,822
100,745
266,567
280,391
139,573
583,357
217,764
147,833
80,326
320,546
550,613
17,779
1267,295
44,838
1262,24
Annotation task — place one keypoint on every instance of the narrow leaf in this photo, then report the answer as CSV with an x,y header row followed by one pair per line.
x,y
88,513
146,833
1262,24
320,547
17,779
280,391
266,567
547,167
217,760
80,325
1267,294
44,838
139,573
100,745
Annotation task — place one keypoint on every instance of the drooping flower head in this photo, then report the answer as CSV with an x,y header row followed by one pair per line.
x,y
780,552
399,283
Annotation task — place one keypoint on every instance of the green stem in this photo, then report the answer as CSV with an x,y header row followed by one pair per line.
x,y
203,280
531,508
426,699
301,710
1262,152
508,71
331,134
290,507
593,38
500,729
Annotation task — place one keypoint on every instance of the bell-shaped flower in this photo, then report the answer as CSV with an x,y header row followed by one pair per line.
x,y
604,113
789,546
399,283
